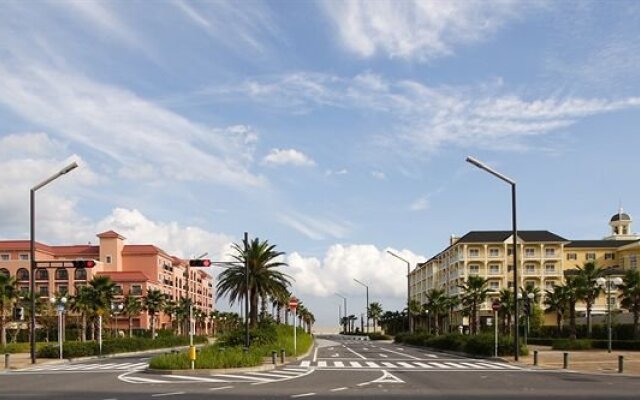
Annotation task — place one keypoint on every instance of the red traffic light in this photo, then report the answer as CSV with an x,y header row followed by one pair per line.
x,y
84,263
200,262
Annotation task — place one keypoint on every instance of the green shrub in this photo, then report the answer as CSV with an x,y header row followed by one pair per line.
x,y
540,341
379,336
452,341
568,344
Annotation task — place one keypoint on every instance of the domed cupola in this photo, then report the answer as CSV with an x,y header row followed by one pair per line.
x,y
620,224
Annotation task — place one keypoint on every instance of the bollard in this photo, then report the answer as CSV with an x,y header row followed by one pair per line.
x,y
565,362
282,355
6,360
535,357
620,364
274,357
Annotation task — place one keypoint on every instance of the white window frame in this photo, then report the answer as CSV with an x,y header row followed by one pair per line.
x,y
5,257
23,257
609,256
494,252
548,285
474,253
474,269
572,256
529,252
590,256
530,269
494,285
548,270
550,252
494,269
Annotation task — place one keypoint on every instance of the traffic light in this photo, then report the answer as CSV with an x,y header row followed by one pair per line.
x,y
200,262
18,314
84,263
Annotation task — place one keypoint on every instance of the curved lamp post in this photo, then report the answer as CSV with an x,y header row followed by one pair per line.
x,y
32,249
483,166
367,287
408,288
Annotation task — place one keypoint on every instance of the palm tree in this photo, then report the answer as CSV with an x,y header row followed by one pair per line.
x,y
506,309
416,310
153,302
132,307
630,297
475,292
452,303
556,300
264,277
169,308
281,302
102,288
588,287
8,294
437,304
375,311
83,303
182,314
571,292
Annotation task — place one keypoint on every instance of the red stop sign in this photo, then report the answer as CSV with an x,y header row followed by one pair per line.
x,y
293,303
495,306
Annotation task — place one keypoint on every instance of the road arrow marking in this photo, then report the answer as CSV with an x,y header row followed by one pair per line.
x,y
387,378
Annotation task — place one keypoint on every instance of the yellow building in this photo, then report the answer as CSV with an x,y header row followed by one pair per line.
x,y
542,258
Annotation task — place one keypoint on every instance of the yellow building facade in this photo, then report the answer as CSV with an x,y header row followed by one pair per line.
x,y
542,260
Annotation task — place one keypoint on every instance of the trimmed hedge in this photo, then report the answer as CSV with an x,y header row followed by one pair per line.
x,y
379,336
568,344
479,345
113,346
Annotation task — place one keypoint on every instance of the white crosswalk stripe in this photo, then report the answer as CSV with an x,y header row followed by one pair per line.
x,y
472,365
255,377
85,367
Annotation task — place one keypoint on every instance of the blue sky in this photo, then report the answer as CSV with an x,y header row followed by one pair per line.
x,y
334,129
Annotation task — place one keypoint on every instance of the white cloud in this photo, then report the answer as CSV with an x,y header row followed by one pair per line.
x,y
480,116
420,204
379,175
342,171
420,29
315,228
288,157
385,274
133,132
181,241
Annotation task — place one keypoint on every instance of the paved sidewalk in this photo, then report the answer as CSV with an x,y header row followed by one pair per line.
x,y
23,360
592,361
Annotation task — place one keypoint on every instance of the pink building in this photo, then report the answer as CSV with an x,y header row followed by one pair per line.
x,y
134,268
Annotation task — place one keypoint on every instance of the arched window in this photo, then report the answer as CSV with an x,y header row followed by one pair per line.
x,y
23,274
4,271
62,274
42,274
81,274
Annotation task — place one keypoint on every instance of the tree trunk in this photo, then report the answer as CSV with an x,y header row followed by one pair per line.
x,y
130,327
636,331
153,326
83,329
589,305
253,309
559,323
4,331
572,320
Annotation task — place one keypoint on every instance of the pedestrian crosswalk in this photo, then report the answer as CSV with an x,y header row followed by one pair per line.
x,y
256,378
468,364
86,367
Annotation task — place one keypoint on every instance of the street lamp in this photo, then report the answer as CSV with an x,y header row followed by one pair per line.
x,y
479,164
32,250
116,309
408,288
608,285
59,304
367,287
345,312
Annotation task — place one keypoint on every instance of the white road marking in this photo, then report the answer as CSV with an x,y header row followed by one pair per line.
x,y
402,354
322,364
387,378
166,394
338,389
194,378
305,363
389,365
338,364
372,364
423,365
222,388
383,355
406,364
355,364
295,396
365,349
267,374
137,379
254,378
476,366
358,354
440,365
315,354
431,355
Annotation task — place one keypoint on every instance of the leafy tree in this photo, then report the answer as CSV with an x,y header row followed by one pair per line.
x,y
153,302
83,303
506,309
102,290
8,295
630,297
375,311
452,303
475,293
264,277
571,291
416,311
437,305
132,307
588,289
556,301
169,308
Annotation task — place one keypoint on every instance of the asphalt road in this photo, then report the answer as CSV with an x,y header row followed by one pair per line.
x,y
337,369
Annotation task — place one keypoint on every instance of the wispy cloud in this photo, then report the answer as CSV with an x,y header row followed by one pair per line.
x,y
288,157
136,134
417,29
479,116
420,204
379,175
313,227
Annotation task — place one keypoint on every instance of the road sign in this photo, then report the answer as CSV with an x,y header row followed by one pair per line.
x,y
495,306
293,303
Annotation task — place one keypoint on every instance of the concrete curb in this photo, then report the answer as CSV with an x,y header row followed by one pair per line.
x,y
135,353
200,372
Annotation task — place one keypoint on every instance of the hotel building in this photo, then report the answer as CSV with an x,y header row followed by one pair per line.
x,y
134,269
543,258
